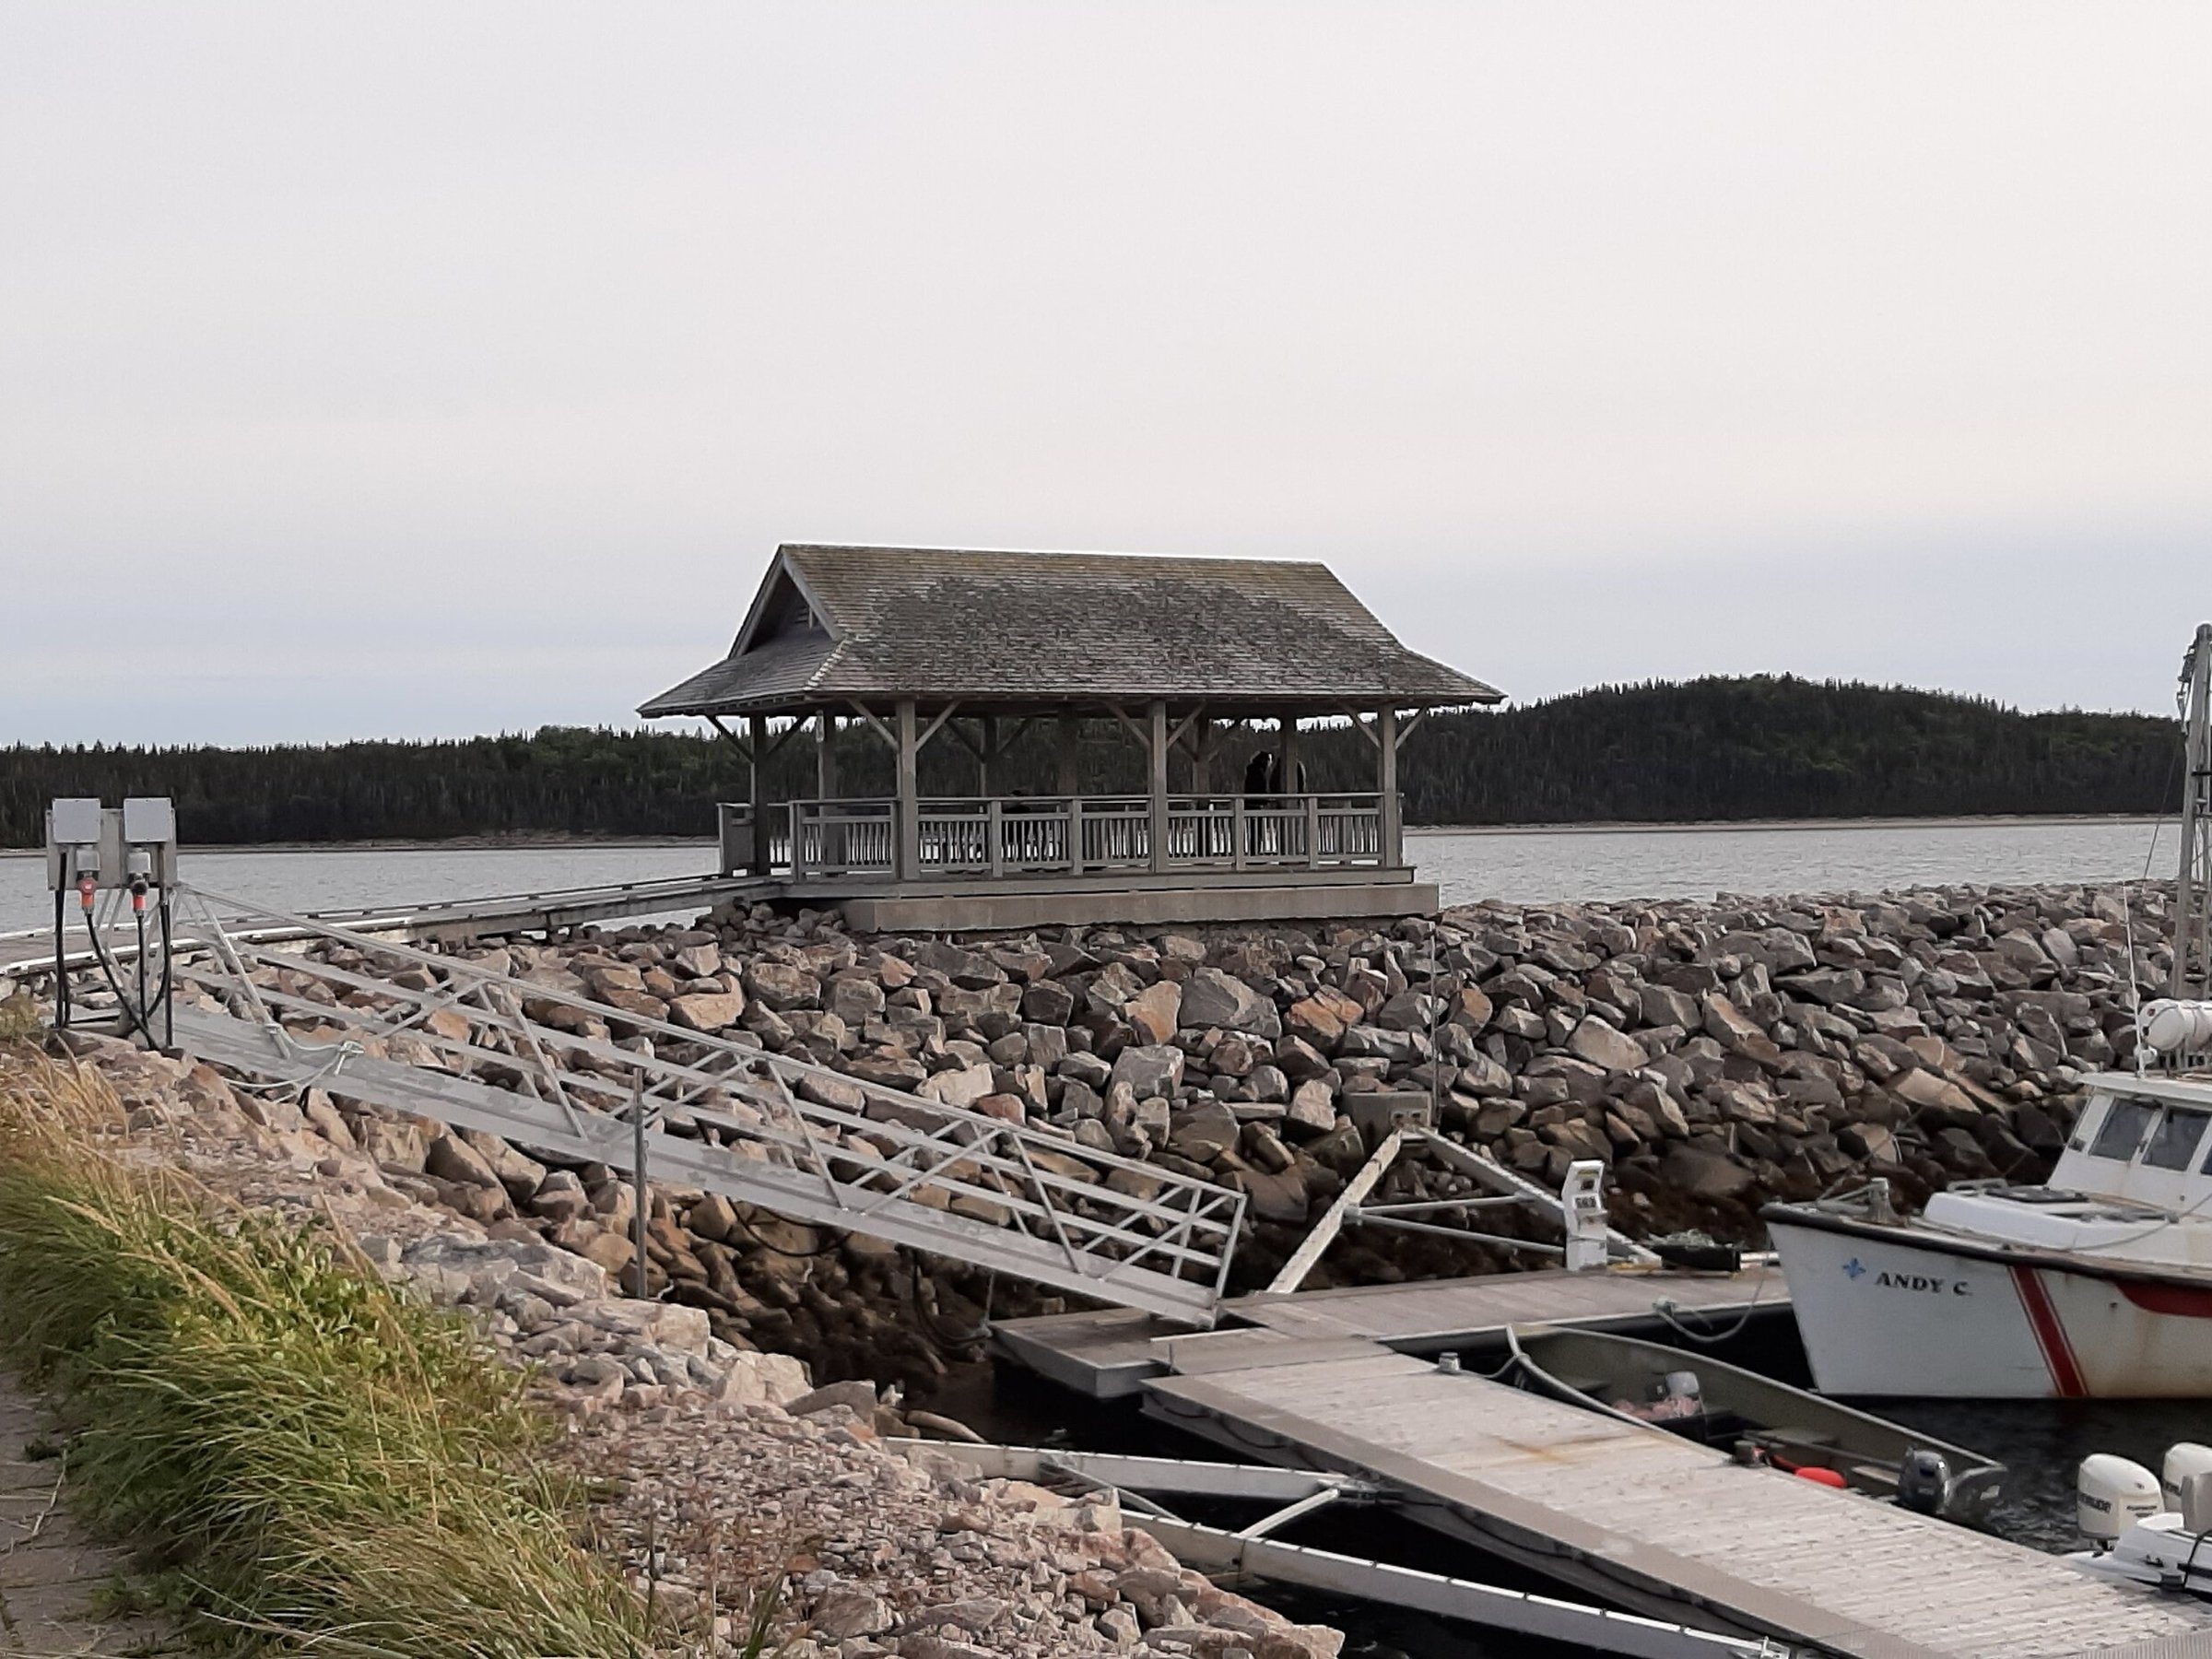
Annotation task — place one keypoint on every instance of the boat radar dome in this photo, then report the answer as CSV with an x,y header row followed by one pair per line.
x,y
2112,1494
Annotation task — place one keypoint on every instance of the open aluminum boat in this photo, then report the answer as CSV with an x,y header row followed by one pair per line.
x,y
1759,1419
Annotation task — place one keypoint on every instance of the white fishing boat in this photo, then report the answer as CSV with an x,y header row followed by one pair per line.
x,y
2097,1284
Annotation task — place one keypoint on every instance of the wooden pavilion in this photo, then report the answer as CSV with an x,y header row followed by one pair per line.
x,y
915,645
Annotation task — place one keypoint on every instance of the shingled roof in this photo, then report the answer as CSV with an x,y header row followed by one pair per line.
x,y
831,625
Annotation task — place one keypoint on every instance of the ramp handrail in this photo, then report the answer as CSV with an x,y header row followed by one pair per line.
x,y
456,1041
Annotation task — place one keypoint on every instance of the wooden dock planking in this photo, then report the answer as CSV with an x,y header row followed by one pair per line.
x,y
1441,1309
1660,1522
1109,1353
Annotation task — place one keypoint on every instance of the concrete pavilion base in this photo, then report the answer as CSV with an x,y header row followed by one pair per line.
x,y
997,906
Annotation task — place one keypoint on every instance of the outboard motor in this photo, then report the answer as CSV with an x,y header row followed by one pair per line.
x,y
2195,1502
2112,1494
2183,1458
1924,1482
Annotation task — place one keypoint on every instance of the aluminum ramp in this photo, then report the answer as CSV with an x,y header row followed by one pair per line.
x,y
391,1025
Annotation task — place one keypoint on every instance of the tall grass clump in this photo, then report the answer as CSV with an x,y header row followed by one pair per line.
x,y
315,1463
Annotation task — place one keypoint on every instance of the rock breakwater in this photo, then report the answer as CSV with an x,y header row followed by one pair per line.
x,y
1713,1055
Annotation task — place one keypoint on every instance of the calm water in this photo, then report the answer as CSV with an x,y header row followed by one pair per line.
x,y
1694,862
1521,866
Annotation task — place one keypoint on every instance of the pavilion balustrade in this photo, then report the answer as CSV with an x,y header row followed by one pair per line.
x,y
1018,835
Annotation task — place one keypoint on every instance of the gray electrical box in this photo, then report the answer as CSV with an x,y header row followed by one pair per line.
x,y
115,845
75,821
149,821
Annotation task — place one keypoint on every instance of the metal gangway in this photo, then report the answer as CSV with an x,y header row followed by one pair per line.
x,y
299,1000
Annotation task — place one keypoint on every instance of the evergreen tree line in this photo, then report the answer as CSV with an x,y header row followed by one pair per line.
x,y
1718,748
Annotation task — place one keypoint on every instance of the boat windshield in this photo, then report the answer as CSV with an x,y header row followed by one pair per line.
x,y
2173,1143
2122,1131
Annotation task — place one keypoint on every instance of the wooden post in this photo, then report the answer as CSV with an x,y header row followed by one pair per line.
x,y
1386,732
756,725
825,789
986,752
1286,745
1157,743
825,756
1202,756
907,864
1071,772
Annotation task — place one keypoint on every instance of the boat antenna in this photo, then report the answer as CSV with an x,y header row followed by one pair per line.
x,y
2192,916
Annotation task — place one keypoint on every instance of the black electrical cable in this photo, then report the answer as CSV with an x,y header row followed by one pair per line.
x,y
107,970
795,1255
938,1339
61,966
168,983
145,1007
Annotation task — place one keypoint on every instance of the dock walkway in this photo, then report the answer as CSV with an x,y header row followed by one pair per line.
x,y
1111,1353
28,952
1636,1516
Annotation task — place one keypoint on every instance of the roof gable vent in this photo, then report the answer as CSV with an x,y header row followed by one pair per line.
x,y
786,613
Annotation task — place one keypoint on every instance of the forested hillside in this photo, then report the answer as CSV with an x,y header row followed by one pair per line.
x,y
1781,748
1711,748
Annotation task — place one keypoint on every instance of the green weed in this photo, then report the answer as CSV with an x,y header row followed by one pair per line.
x,y
311,1460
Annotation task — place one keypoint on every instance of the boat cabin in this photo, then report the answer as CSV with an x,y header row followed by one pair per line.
x,y
2146,1139
2139,1161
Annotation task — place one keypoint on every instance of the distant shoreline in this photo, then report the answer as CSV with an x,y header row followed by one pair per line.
x,y
571,843
453,843
1720,826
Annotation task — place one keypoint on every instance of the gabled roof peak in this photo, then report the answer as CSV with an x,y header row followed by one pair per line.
x,y
1011,627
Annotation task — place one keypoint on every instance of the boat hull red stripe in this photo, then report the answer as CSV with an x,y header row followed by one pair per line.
x,y
2050,1335
2184,1301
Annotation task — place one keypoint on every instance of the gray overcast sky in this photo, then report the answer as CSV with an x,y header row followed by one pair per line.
x,y
405,369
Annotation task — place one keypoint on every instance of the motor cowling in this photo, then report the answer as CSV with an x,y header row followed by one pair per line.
x,y
2112,1494
1924,1482
2195,1502
2183,1458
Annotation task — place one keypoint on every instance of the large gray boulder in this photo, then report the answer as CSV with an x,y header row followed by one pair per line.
x,y
780,986
1204,1133
1149,1069
1605,1046
1702,1174
1211,998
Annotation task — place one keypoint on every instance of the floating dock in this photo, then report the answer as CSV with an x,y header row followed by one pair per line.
x,y
1113,1353
1343,1380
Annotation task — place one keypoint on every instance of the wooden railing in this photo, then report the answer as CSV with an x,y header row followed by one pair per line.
x,y
1012,835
